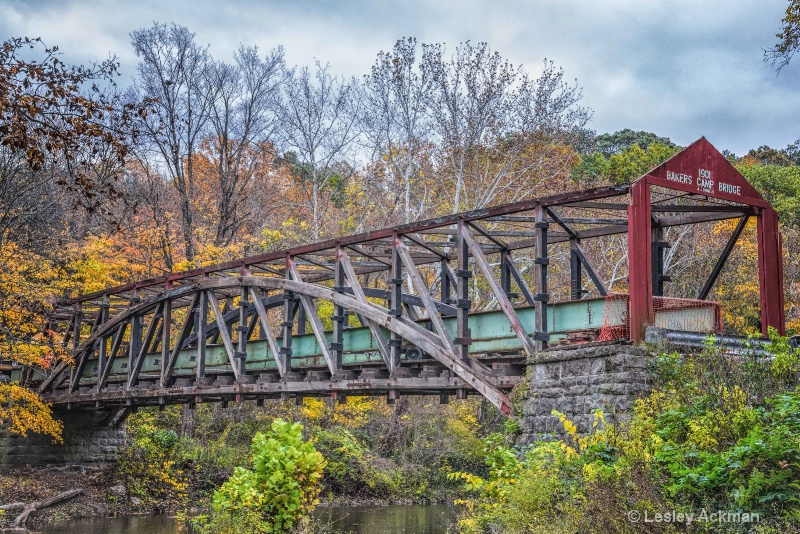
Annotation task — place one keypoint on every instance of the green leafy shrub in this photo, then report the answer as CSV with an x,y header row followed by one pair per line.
x,y
151,466
718,432
281,488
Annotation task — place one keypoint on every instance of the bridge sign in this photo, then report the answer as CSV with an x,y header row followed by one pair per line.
x,y
701,169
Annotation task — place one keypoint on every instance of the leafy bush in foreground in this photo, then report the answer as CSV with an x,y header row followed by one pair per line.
x,y
716,433
281,489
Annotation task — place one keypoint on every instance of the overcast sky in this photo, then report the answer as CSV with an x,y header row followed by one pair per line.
x,y
681,69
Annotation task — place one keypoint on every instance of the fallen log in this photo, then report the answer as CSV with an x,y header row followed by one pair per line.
x,y
13,507
38,505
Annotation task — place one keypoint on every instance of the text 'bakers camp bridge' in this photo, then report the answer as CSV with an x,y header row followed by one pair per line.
x,y
403,301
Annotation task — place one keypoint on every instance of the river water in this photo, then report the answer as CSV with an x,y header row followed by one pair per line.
x,y
410,519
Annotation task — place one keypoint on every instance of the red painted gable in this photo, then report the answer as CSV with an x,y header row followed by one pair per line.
x,y
700,168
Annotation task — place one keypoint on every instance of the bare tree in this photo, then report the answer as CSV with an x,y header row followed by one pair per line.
x,y
395,116
172,80
319,125
243,116
494,123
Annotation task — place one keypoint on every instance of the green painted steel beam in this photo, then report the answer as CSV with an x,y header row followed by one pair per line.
x,y
491,332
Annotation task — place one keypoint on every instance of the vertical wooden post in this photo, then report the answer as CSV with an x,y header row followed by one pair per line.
x,y
542,297
463,303
770,272
640,260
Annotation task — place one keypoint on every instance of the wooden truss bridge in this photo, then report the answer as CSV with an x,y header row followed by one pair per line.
x,y
444,306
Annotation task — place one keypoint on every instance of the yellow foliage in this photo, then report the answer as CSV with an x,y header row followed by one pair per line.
x,y
314,409
21,411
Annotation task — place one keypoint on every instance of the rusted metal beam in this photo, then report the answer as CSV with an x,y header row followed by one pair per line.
x,y
542,296
135,362
201,334
116,343
521,283
330,245
223,331
374,329
580,253
500,295
166,375
424,294
723,257
313,318
267,333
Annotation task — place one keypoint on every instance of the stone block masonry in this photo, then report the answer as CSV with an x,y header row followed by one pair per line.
x,y
577,381
87,439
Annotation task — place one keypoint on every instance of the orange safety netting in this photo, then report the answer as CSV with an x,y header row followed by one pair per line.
x,y
688,315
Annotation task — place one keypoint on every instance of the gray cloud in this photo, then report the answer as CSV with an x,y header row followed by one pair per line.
x,y
678,68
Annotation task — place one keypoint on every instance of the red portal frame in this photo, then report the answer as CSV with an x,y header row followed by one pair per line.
x,y
700,169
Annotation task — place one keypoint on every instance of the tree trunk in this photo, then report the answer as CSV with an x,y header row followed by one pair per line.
x,y
38,505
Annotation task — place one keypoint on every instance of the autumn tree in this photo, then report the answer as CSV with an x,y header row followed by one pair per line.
x,y
172,83
488,114
396,120
64,136
51,111
319,122
243,118
788,39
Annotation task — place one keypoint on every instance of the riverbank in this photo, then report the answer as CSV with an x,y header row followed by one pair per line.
x,y
30,484
103,496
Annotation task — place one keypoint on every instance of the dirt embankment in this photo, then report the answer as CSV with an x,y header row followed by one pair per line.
x,y
30,484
